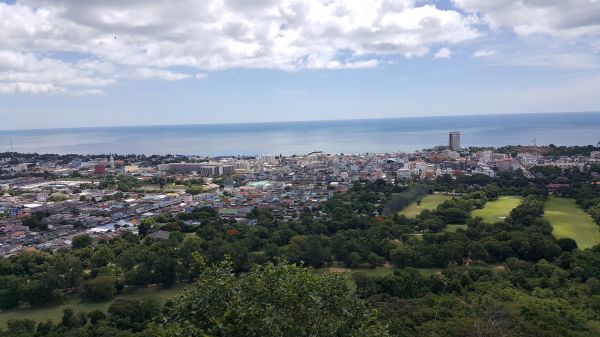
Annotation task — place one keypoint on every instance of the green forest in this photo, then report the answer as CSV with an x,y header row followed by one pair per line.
x,y
511,277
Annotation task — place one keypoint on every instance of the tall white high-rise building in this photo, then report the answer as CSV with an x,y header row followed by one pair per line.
x,y
454,140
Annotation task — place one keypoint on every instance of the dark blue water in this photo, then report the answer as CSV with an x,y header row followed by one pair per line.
x,y
349,136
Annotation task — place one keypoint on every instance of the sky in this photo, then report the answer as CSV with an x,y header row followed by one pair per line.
x,y
73,63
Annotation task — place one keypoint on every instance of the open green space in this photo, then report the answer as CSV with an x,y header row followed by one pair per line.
x,y
55,313
498,210
430,201
347,273
570,221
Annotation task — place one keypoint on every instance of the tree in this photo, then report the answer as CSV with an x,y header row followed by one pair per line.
x,y
405,283
96,316
477,251
69,267
403,256
35,221
567,244
375,260
272,300
164,271
271,250
102,257
80,241
69,319
20,327
595,213
138,276
10,291
144,228
44,328
133,314
194,189
39,290
354,260
309,250
314,253
100,288
453,215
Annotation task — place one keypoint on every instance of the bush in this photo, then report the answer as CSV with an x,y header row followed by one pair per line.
x,y
100,288
81,241
273,300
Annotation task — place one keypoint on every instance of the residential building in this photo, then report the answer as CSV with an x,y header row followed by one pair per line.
x,y
454,140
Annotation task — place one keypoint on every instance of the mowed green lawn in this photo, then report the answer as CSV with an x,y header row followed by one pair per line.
x,y
498,210
570,221
430,201
55,313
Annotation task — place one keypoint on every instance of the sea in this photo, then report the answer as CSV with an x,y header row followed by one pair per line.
x,y
339,136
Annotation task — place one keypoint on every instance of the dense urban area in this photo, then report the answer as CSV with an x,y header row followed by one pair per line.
x,y
447,241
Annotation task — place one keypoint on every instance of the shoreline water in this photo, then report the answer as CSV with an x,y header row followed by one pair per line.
x,y
338,136
296,121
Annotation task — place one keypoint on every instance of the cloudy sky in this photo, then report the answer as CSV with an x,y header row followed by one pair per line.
x,y
66,63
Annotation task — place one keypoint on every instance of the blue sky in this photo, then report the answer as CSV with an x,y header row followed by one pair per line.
x,y
67,63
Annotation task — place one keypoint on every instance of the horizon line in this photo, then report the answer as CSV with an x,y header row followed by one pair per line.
x,y
295,121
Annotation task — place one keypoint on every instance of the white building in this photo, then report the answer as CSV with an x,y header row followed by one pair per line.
x,y
404,174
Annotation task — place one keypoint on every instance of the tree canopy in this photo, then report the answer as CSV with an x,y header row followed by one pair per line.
x,y
271,300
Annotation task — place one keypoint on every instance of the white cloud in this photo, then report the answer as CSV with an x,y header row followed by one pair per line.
x,y
443,53
29,88
114,40
484,53
148,73
150,38
26,72
565,18
335,64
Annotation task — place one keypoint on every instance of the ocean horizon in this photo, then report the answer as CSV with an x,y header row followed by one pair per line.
x,y
297,137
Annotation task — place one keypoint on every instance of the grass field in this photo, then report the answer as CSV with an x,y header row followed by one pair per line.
x,y
430,201
54,313
497,210
347,273
570,221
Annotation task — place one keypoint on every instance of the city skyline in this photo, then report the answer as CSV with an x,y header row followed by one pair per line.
x,y
133,62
